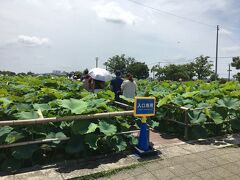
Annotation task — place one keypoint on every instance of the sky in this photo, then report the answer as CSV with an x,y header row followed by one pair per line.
x,y
67,35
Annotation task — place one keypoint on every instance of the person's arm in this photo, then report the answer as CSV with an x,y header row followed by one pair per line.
x,y
123,86
111,85
135,88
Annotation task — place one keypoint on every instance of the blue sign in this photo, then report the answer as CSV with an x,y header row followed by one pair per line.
x,y
144,106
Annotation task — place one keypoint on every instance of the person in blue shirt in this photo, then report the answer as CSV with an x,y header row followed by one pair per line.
x,y
115,85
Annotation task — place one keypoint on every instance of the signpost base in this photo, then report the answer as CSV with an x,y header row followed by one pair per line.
x,y
143,149
151,152
144,107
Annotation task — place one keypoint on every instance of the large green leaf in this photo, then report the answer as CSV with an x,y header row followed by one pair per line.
x,y
5,130
13,137
229,103
92,128
130,100
42,107
132,139
197,117
76,106
92,140
65,124
27,115
164,100
83,127
59,135
23,107
190,94
24,152
216,117
153,124
107,94
75,145
107,129
5,102
118,143
52,92
56,135
92,103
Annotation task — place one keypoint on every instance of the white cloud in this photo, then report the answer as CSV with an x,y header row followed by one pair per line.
x,y
232,49
224,31
32,40
113,12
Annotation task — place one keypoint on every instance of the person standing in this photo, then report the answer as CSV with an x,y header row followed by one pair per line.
x,y
96,85
129,87
115,85
85,79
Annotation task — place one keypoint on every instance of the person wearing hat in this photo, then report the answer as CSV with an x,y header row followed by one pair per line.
x,y
115,85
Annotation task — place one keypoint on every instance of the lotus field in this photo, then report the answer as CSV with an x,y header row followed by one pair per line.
x,y
213,109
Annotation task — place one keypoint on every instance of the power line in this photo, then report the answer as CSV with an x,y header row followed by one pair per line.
x,y
171,14
170,62
233,40
222,57
182,17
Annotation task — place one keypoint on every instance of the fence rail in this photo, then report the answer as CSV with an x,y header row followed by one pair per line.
x,y
66,118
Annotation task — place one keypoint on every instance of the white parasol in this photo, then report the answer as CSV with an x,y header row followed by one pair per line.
x,y
100,74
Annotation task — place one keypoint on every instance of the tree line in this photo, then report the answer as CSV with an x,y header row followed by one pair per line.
x,y
200,68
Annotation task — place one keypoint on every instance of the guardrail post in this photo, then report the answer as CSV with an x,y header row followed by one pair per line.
x,y
186,121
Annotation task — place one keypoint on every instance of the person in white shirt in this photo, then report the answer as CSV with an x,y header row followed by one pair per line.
x,y
129,87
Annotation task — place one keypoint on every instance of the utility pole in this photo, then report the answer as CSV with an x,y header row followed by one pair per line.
x,y
96,62
229,71
216,63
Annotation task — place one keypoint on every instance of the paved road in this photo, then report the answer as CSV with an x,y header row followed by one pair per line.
x,y
223,163
179,160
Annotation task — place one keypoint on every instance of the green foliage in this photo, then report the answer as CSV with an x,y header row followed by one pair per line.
x,y
219,105
13,136
119,143
83,127
197,117
118,63
75,145
11,165
107,129
124,64
24,152
172,72
139,70
92,141
31,97
200,68
27,115
74,105
236,63
28,97
203,67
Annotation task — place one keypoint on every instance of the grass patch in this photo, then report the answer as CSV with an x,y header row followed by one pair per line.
x,y
113,171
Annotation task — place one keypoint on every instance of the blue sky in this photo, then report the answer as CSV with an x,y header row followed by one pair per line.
x,y
43,35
